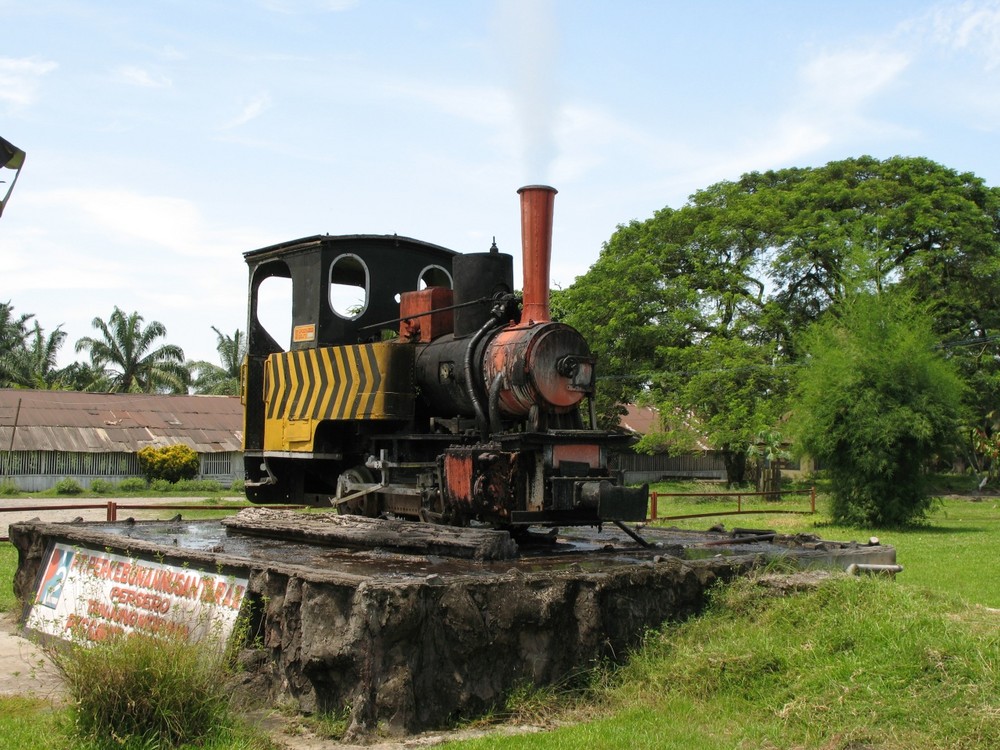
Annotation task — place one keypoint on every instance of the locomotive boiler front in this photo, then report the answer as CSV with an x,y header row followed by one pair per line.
x,y
537,363
498,364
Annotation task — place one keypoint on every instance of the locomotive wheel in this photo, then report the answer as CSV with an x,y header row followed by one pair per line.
x,y
350,482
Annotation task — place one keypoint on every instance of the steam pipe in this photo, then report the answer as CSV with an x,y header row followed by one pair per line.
x,y
536,248
471,378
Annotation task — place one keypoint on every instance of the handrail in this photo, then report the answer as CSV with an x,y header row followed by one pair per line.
x,y
654,496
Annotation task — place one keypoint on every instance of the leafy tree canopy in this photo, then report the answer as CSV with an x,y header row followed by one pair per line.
x,y
752,262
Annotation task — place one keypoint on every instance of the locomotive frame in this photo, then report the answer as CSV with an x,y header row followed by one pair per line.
x,y
436,396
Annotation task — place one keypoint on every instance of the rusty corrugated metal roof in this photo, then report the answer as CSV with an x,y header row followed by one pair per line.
x,y
644,420
117,422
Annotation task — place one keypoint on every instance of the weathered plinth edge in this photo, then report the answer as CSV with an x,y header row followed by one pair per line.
x,y
411,651
358,532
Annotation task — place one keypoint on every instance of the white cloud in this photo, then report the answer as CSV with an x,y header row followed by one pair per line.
x,y
19,79
142,77
253,109
844,81
308,6
484,105
172,224
972,26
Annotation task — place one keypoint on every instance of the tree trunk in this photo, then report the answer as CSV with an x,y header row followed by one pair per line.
x,y
736,466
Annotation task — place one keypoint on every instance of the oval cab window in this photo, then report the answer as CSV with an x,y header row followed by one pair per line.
x,y
349,281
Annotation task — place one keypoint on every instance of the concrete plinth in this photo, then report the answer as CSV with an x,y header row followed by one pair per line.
x,y
411,641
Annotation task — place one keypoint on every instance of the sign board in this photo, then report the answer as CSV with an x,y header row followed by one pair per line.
x,y
305,332
87,595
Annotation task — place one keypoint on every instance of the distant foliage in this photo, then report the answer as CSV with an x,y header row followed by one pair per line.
x,y
197,485
161,485
68,486
102,487
133,484
170,463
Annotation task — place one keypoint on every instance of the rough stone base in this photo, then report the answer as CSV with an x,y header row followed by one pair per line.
x,y
417,654
408,642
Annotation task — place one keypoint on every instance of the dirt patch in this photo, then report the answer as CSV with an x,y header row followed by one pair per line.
x,y
24,668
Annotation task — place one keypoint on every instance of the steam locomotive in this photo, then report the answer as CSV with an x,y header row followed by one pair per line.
x,y
434,395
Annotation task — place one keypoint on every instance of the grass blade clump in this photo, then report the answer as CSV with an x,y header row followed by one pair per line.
x,y
141,691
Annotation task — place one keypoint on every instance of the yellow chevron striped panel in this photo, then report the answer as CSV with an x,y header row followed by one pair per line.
x,y
308,386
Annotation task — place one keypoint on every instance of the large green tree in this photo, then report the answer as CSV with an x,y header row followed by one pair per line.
x,y
131,356
221,380
875,401
759,259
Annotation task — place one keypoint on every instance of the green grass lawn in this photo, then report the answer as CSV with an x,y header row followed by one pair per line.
x,y
857,663
952,552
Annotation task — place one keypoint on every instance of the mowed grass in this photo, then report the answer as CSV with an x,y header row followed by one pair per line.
x,y
954,551
856,663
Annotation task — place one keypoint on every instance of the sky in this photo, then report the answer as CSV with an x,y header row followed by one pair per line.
x,y
166,138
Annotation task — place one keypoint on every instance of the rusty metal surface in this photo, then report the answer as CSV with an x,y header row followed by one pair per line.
x,y
536,244
117,422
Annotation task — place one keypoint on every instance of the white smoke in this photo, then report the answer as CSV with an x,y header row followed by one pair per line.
x,y
528,40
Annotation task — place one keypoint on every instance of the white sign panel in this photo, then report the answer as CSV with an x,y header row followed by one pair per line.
x,y
91,595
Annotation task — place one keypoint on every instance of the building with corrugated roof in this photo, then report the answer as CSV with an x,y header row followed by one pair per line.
x,y
701,463
48,435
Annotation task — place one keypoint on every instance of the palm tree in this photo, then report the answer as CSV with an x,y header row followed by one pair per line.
x,y
225,380
34,364
125,352
13,335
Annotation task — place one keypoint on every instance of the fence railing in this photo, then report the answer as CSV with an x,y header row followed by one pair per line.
x,y
654,498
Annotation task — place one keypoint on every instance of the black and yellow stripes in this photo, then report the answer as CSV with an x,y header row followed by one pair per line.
x,y
363,381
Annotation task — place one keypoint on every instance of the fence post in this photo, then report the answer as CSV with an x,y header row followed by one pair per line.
x,y
652,506
812,498
112,511
739,503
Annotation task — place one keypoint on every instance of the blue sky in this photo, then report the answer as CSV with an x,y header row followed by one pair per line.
x,y
164,139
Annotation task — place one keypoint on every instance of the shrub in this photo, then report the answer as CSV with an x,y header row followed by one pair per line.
x,y
197,485
237,485
161,485
68,486
171,462
102,487
133,484
7,487
138,690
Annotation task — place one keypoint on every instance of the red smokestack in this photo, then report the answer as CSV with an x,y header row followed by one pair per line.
x,y
536,249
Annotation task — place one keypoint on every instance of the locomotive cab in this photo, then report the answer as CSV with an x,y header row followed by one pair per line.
x,y
309,382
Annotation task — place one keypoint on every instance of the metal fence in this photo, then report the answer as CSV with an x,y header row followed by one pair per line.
x,y
654,500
